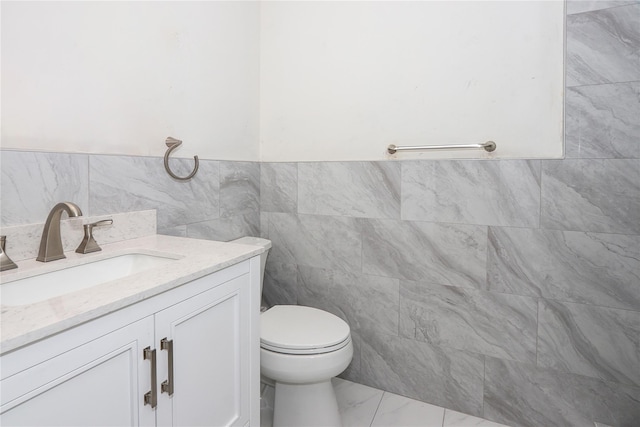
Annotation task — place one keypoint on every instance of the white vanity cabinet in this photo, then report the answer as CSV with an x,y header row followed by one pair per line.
x,y
201,335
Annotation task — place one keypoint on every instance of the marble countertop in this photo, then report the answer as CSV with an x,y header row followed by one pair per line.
x,y
27,323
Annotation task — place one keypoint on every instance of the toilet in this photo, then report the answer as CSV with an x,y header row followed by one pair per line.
x,y
301,349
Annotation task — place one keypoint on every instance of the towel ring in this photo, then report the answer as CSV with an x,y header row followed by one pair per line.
x,y
173,143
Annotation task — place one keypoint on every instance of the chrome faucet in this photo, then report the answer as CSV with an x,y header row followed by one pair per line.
x,y
51,243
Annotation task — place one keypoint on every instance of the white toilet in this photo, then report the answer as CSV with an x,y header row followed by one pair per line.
x,y
301,349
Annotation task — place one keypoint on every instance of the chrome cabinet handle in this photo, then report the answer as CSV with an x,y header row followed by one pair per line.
x,y
151,397
167,386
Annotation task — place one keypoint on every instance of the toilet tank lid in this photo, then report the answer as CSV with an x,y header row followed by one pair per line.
x,y
300,327
253,241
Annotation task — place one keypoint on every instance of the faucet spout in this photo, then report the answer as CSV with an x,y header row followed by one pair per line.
x,y
51,242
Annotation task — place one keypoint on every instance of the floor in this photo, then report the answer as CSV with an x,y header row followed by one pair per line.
x,y
362,406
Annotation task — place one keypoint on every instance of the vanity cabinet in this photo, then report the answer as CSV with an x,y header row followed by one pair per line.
x,y
200,335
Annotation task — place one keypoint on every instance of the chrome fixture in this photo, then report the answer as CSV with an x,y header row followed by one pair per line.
x,y
88,243
173,143
51,242
487,146
5,261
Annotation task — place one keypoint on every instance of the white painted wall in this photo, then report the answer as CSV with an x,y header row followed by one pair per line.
x,y
119,77
342,80
282,81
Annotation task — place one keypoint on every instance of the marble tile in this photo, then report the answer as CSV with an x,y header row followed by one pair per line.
x,y
177,231
590,268
458,419
602,46
225,229
264,225
448,378
126,183
520,394
503,192
602,121
489,323
354,371
361,300
399,411
33,182
280,283
355,189
357,403
316,241
579,6
239,189
279,187
593,341
601,195
23,241
446,254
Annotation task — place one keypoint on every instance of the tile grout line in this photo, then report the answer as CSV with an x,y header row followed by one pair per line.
x,y
375,414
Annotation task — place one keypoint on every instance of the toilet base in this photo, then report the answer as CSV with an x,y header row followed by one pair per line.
x,y
306,405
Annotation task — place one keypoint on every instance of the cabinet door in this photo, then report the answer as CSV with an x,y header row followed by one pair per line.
x,y
210,335
99,383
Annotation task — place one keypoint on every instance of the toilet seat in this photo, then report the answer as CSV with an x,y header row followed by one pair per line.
x,y
294,329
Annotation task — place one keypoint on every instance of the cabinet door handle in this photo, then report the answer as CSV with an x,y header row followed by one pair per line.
x,y
167,386
151,397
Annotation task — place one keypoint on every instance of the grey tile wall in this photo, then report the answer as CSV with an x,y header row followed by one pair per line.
x,y
506,289
221,202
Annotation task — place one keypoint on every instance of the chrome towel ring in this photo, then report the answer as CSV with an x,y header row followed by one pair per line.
x,y
173,143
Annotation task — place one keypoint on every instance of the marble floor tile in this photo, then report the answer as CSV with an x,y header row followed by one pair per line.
x,y
399,411
458,419
357,403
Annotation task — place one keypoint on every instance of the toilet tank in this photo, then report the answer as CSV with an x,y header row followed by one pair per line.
x,y
257,241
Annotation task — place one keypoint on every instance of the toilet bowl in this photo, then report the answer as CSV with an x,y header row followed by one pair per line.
x,y
301,349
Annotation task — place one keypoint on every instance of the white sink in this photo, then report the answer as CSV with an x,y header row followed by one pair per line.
x,y
60,282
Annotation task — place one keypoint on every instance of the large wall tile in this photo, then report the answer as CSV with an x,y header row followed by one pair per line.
x,y
579,6
591,195
279,187
592,341
602,46
316,241
448,378
483,322
472,192
225,229
280,283
357,189
239,188
520,394
602,121
445,254
125,183
591,268
361,300
33,183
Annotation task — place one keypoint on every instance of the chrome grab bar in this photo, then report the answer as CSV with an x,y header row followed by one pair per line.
x,y
488,146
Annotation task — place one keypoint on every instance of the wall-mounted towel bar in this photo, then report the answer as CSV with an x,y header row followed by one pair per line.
x,y
173,143
488,146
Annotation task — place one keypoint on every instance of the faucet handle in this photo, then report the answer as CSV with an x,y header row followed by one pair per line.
x,y
88,243
5,261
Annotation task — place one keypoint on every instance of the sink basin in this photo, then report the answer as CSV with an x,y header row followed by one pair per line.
x,y
60,282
